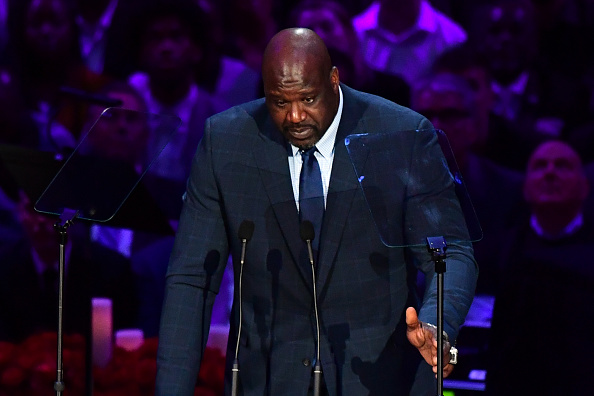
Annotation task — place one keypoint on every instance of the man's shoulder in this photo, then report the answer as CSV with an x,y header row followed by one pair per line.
x,y
377,107
253,109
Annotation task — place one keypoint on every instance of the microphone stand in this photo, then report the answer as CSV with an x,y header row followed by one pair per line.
x,y
246,230
308,234
437,247
235,369
318,366
66,219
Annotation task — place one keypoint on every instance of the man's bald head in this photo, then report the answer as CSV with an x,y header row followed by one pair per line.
x,y
295,47
300,85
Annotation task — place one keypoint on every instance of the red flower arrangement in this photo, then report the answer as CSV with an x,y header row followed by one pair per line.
x,y
29,369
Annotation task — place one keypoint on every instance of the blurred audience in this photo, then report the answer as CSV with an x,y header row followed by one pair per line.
x,y
463,61
44,59
170,48
500,77
16,125
538,103
451,104
547,284
3,27
29,281
123,135
405,37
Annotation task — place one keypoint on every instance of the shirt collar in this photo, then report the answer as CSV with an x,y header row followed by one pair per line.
x,y
426,22
325,145
516,87
570,229
104,21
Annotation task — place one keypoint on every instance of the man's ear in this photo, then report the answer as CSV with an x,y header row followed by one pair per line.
x,y
334,79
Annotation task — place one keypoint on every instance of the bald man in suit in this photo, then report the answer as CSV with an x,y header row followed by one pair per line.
x,y
247,167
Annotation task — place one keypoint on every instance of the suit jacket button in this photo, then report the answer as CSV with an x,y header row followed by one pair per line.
x,y
306,362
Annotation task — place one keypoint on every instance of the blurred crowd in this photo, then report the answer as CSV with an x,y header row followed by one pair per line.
x,y
510,82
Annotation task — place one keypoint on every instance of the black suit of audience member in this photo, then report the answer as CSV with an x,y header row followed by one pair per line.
x,y
543,318
29,280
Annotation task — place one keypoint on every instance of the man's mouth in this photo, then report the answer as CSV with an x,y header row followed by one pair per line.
x,y
300,132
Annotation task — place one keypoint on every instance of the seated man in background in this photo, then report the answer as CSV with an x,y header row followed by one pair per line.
x,y
543,318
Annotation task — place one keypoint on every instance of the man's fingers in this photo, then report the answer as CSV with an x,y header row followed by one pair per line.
x,y
447,370
412,321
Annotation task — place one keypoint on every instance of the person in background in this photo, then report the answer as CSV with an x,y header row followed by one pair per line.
x,y
95,21
462,60
452,105
544,306
44,32
29,279
538,103
172,36
405,37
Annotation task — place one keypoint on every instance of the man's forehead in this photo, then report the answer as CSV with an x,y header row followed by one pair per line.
x,y
555,150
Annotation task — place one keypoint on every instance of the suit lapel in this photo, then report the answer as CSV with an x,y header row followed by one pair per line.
x,y
271,154
342,188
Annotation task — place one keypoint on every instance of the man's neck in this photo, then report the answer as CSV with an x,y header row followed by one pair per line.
x,y
554,223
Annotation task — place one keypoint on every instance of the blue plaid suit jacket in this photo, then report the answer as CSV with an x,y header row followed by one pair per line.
x,y
240,171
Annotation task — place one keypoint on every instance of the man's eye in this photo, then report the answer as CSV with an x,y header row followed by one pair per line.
x,y
280,103
308,100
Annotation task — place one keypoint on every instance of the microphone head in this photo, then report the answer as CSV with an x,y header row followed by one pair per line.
x,y
306,230
246,230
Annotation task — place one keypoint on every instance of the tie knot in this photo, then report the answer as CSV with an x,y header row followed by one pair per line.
x,y
309,153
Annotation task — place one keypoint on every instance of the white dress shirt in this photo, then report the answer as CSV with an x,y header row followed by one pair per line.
x,y
411,53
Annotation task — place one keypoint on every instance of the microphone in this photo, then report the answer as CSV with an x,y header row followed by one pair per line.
x,y
90,97
307,235
246,230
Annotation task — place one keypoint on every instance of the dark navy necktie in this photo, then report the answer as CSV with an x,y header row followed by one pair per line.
x,y
311,194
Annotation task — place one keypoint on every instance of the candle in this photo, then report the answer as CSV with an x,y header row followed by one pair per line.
x,y
129,339
102,331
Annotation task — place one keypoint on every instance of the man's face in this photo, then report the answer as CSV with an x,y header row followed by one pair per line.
x,y
448,111
302,100
47,30
507,39
121,134
168,48
554,176
479,80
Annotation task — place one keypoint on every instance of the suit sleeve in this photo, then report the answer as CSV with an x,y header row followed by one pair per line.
x,y
433,209
194,275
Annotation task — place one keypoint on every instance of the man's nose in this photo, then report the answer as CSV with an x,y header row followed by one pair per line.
x,y
296,113
550,169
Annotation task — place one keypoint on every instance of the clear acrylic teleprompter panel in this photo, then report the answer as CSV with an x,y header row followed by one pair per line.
x,y
413,187
108,163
